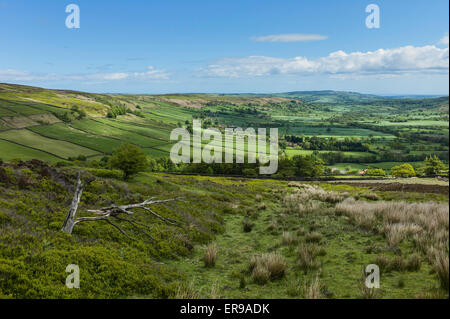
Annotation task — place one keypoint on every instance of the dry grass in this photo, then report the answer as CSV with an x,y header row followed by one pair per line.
x,y
210,256
260,274
426,224
313,237
441,267
288,239
312,291
307,198
366,292
270,265
187,292
398,263
307,257
370,196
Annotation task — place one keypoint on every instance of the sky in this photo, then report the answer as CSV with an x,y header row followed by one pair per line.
x,y
233,46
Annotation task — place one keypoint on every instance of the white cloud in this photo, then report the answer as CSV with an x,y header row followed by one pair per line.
x,y
402,60
293,37
444,40
151,73
17,75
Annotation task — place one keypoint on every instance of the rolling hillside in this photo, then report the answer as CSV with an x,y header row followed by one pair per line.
x,y
60,125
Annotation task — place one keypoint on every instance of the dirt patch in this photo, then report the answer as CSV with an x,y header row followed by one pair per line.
x,y
196,104
30,99
398,187
44,118
19,121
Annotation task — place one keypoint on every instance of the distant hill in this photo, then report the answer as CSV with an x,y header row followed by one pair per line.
x,y
330,97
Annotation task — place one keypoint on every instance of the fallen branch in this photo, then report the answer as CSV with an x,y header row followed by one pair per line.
x,y
114,212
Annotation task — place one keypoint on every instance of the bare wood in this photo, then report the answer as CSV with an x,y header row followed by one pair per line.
x,y
69,223
106,213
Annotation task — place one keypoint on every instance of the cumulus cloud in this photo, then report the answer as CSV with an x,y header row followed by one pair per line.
x,y
444,40
402,60
293,37
150,73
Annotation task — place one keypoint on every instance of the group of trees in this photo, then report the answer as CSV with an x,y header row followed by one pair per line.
x,y
130,159
75,113
330,144
432,166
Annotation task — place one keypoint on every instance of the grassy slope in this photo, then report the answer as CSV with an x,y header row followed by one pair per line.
x,y
342,265
34,252
33,108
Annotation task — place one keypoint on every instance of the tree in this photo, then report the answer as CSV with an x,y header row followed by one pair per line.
x,y
404,170
116,213
128,158
433,166
308,166
375,172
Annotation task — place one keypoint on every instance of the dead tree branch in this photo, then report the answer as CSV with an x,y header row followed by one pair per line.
x,y
114,212
70,218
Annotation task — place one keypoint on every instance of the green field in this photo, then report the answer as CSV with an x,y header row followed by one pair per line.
x,y
386,130
98,128
292,152
58,148
66,133
9,151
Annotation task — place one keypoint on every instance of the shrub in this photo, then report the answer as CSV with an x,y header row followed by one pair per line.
x,y
276,265
414,263
210,256
366,292
128,158
260,274
404,170
375,172
272,226
433,166
186,292
262,206
247,225
312,290
242,282
107,173
370,196
271,265
442,270
307,257
313,237
249,172
398,263
293,288
288,239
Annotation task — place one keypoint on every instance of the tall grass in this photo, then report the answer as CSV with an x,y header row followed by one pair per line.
x,y
267,266
307,198
312,290
210,257
425,224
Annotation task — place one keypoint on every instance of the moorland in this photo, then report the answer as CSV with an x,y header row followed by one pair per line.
x,y
234,235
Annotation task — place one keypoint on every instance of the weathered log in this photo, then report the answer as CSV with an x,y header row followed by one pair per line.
x,y
107,213
69,223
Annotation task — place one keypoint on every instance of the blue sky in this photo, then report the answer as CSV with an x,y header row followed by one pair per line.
x,y
226,46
